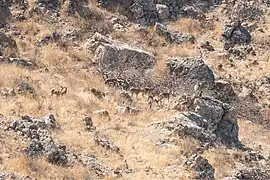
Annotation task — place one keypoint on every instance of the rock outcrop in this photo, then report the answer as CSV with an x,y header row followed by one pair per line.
x,y
41,142
144,11
18,62
185,73
234,33
251,174
202,168
174,37
207,120
115,57
220,118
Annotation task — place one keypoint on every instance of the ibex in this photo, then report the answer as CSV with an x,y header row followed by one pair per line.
x,y
147,91
60,92
151,99
135,91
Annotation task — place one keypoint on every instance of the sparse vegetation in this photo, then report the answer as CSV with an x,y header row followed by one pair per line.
x,y
67,75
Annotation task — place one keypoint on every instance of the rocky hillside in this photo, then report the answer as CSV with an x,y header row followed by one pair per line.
x,y
135,89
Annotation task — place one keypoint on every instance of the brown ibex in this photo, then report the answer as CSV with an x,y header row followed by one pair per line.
x,y
60,92
151,99
135,91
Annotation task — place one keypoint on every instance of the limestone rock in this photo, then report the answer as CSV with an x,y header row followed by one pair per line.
x,y
251,174
234,33
41,142
203,169
163,11
174,37
112,56
187,72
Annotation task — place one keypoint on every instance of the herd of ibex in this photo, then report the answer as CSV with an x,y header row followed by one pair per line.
x,y
153,94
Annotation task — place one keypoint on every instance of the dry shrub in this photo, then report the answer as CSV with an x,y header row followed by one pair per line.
x,y
187,25
79,55
222,161
9,73
29,28
188,146
20,164
184,50
52,55
41,169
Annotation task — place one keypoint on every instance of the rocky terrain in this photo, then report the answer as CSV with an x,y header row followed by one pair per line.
x,y
133,89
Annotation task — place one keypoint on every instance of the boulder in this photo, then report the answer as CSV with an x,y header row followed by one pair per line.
x,y
47,6
207,120
173,5
88,124
174,37
234,33
77,6
223,91
185,73
185,7
220,117
188,124
202,168
8,46
251,174
113,56
144,11
38,131
163,11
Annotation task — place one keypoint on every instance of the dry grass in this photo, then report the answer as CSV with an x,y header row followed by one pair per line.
x,y
222,161
131,133
254,136
39,168
187,25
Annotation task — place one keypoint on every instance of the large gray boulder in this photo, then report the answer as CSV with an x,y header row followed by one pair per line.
x,y
251,174
112,55
183,7
220,117
207,120
186,73
234,33
191,69
44,5
8,46
163,11
188,124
